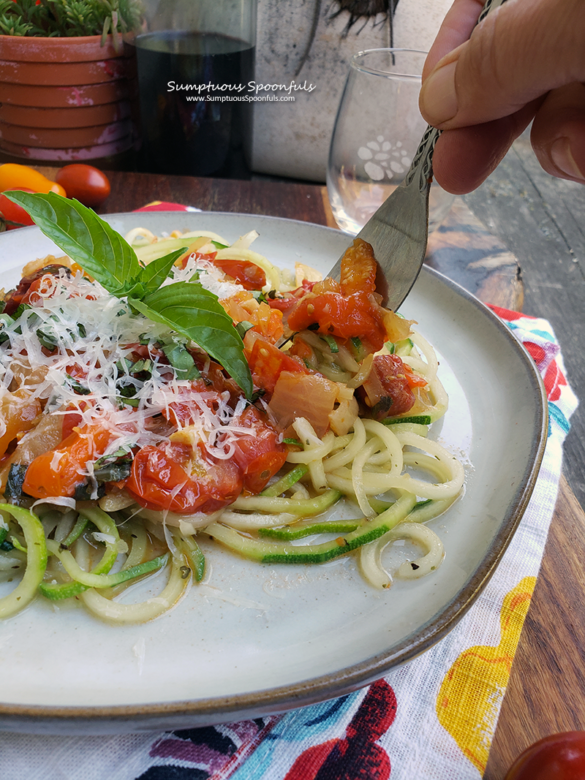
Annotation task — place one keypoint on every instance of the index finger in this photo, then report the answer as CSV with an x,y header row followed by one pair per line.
x,y
457,26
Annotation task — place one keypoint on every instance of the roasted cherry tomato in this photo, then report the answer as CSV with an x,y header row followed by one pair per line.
x,y
248,274
27,286
14,216
85,183
558,757
160,480
259,455
267,362
388,389
59,471
343,316
20,177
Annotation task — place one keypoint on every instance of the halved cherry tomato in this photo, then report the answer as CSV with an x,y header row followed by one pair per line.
x,y
87,184
14,216
557,757
260,455
160,480
20,177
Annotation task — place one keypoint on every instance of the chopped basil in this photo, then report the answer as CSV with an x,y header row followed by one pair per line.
x,y
181,360
47,340
75,385
16,475
113,472
243,327
85,491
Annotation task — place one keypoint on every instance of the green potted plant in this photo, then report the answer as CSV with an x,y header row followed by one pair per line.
x,y
67,79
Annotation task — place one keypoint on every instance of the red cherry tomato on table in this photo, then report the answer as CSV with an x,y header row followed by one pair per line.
x,y
85,183
558,757
14,216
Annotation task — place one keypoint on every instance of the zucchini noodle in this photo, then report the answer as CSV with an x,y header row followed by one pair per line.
x,y
176,454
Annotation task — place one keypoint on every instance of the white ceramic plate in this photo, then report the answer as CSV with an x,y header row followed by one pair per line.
x,y
260,639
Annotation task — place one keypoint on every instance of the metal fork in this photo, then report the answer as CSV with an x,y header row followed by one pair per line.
x,y
398,231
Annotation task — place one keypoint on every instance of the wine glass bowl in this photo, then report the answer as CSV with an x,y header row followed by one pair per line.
x,y
376,134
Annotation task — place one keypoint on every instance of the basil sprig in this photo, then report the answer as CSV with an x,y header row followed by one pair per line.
x,y
185,307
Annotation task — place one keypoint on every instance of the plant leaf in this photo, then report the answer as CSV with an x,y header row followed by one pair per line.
x,y
190,309
86,238
153,275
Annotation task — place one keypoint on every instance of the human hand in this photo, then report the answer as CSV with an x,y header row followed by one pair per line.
x,y
525,61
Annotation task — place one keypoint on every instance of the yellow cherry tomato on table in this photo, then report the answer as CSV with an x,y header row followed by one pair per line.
x,y
20,177
87,184
557,757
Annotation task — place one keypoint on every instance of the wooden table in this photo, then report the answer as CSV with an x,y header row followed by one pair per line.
x,y
546,693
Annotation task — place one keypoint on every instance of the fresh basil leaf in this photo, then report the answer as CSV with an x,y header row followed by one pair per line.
x,y
194,312
154,274
86,238
151,276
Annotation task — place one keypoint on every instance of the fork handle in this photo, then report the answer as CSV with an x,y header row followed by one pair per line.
x,y
421,168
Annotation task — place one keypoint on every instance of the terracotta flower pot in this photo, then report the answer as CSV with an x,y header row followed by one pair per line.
x,y
66,98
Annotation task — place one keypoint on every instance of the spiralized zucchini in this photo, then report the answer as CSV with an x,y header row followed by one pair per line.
x,y
391,473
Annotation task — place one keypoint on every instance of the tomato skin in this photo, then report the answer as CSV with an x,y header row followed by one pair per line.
x,y
87,184
358,268
20,177
260,456
267,362
248,274
159,481
14,215
556,757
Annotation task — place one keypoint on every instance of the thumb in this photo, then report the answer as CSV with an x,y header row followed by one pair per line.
x,y
517,54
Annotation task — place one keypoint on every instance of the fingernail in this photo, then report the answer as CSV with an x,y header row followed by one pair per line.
x,y
439,98
560,153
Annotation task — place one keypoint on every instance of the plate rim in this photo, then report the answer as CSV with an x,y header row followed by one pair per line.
x,y
210,710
